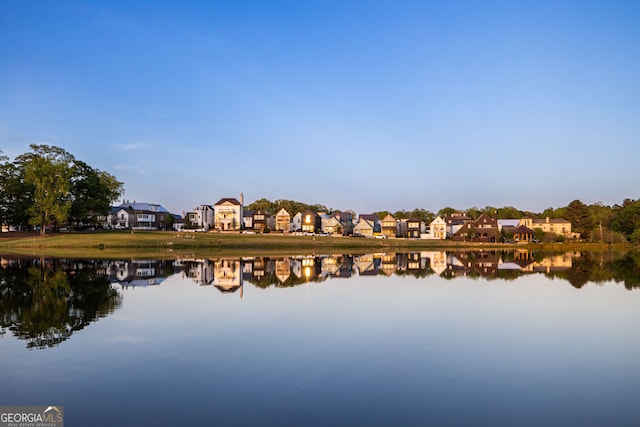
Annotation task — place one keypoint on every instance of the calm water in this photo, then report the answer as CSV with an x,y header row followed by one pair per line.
x,y
427,338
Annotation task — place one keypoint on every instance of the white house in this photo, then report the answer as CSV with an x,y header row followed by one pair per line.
x,y
296,222
201,217
437,230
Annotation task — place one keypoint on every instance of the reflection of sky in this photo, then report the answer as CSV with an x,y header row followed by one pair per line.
x,y
368,350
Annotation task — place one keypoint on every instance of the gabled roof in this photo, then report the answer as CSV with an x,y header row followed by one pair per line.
x,y
231,200
369,217
280,212
364,222
523,229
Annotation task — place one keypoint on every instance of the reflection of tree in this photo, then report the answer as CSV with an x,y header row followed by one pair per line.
x,y
44,304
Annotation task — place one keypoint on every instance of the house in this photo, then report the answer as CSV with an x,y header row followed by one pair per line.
x,y
558,226
346,221
283,221
482,229
247,219
522,234
414,228
296,222
201,217
389,226
331,225
228,214
260,220
364,227
456,221
140,216
311,222
437,229
373,219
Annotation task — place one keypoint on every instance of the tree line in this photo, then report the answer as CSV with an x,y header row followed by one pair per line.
x,y
48,187
596,223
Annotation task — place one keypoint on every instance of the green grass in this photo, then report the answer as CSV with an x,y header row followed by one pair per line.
x,y
158,244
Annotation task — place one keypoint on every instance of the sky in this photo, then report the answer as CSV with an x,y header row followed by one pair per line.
x,y
365,105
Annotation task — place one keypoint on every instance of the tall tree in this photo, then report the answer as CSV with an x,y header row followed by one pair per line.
x,y
581,221
48,169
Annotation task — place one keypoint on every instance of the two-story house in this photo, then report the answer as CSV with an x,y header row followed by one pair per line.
x,y
311,222
228,214
201,217
482,229
389,226
283,221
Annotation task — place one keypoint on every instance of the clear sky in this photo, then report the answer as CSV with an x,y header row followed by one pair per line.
x,y
365,105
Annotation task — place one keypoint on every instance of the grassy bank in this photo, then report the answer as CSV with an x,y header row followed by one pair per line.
x,y
109,244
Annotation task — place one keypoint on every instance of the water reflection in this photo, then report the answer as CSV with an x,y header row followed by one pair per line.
x,y
44,301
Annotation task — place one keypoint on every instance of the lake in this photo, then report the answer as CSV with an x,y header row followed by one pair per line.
x,y
423,338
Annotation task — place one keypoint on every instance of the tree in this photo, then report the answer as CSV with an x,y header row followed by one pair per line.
x,y
581,221
92,192
626,218
446,212
48,170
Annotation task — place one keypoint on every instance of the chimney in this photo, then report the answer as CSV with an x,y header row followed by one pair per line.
x,y
547,220
241,199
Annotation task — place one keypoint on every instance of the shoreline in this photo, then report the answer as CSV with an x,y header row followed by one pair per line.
x,y
176,244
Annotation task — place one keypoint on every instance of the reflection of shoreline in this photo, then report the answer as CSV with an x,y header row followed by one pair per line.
x,y
291,271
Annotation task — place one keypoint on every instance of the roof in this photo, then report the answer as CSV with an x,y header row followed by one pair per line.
x,y
231,200
549,220
523,229
508,222
143,206
369,217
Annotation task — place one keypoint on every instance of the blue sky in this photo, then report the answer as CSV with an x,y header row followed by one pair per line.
x,y
368,105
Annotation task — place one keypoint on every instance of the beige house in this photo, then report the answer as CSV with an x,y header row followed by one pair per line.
x,y
228,214
558,226
283,221
389,226
364,228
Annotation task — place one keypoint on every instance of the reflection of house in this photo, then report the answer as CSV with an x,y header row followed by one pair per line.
x,y
200,271
310,268
437,261
555,262
228,214
283,269
227,275
136,273
367,264
389,263
283,221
